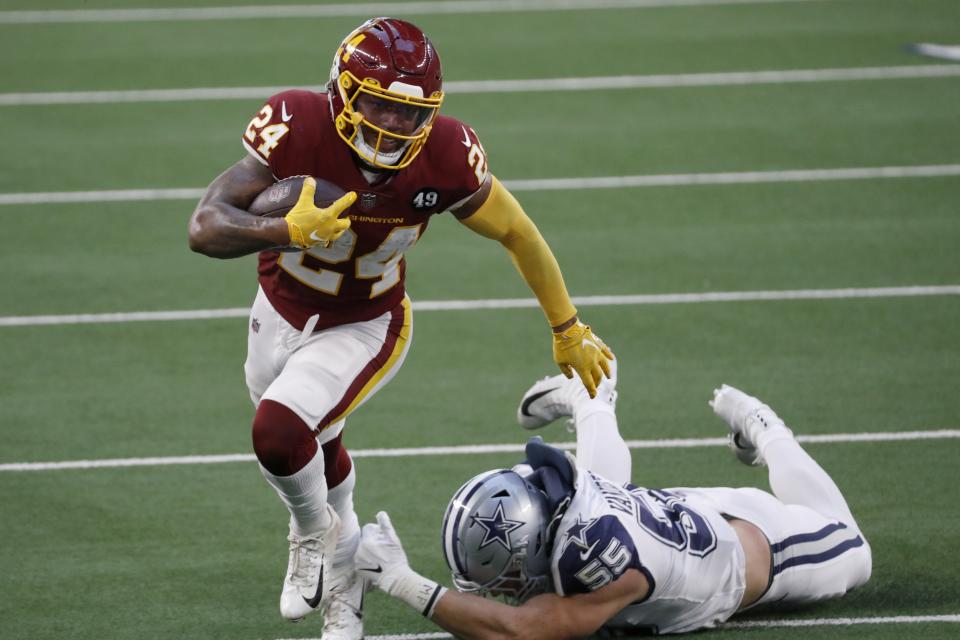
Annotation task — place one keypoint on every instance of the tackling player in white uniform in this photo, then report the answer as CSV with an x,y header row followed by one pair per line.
x,y
576,547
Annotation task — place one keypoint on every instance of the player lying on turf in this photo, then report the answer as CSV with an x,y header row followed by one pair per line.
x,y
331,322
577,548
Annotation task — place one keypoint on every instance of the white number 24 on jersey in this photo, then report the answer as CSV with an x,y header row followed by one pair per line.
x,y
270,135
382,265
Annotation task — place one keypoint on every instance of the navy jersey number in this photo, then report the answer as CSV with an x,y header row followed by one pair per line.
x,y
667,518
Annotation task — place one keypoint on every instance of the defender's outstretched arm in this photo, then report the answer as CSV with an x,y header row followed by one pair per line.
x,y
382,562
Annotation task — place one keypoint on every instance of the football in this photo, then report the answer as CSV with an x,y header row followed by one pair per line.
x,y
276,200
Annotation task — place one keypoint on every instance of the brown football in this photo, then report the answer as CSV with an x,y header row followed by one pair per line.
x,y
276,200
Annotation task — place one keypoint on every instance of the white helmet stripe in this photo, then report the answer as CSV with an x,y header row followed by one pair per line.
x,y
458,503
411,90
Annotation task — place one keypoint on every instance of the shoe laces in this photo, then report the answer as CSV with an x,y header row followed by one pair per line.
x,y
306,554
765,416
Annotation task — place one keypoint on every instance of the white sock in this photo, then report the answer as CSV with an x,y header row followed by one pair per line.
x,y
600,447
340,498
305,494
796,478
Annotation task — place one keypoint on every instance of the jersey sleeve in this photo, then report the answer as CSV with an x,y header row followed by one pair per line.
x,y
281,133
594,554
462,159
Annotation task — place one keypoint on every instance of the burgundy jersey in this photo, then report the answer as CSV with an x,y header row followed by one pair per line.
x,y
360,276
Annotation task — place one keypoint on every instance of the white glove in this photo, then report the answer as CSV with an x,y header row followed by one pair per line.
x,y
382,563
380,557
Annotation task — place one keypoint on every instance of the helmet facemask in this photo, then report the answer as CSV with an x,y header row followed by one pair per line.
x,y
513,586
371,141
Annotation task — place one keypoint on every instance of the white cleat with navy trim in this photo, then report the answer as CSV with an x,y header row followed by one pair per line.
x,y
750,421
311,557
556,397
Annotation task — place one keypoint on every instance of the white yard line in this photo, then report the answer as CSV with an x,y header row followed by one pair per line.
x,y
672,443
261,12
839,622
510,303
739,177
545,184
596,83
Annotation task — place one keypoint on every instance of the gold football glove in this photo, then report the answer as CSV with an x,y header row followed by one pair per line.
x,y
310,225
577,349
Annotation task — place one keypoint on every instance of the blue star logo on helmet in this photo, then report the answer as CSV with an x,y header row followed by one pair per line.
x,y
497,528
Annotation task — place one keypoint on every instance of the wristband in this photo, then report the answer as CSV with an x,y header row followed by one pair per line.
x,y
420,593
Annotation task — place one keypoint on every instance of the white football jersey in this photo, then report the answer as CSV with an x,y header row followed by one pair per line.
x,y
689,554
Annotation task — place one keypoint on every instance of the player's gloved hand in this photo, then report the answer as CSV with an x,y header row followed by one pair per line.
x,y
310,225
576,349
382,563
380,558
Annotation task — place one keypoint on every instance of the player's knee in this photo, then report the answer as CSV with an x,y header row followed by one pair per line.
x,y
337,463
283,442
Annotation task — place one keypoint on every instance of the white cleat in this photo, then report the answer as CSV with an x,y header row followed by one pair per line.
x,y
748,418
311,557
343,610
556,397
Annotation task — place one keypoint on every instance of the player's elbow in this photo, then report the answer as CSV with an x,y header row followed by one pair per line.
x,y
512,242
523,236
199,240
201,235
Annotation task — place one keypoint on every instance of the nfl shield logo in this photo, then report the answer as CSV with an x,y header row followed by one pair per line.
x,y
367,201
279,191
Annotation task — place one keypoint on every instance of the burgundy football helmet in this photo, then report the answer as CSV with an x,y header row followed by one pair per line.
x,y
385,64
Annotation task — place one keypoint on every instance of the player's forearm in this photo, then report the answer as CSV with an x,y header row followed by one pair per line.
x,y
545,617
221,227
219,230
539,269
474,618
465,615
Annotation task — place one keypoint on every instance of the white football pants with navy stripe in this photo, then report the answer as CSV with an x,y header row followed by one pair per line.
x,y
818,549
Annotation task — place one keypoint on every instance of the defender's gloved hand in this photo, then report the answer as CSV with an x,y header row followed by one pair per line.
x,y
382,563
380,558
310,225
577,349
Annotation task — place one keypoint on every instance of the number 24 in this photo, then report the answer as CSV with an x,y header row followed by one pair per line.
x,y
270,135
381,264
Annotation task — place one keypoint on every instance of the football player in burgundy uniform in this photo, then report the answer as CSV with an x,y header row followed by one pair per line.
x,y
576,547
331,323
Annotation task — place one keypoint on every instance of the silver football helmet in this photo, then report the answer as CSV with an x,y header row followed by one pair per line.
x,y
495,537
